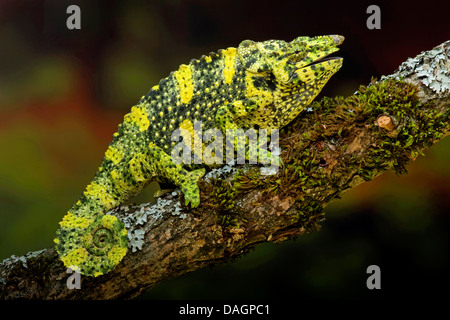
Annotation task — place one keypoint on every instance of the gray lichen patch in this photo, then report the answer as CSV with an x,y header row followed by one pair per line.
x,y
136,239
136,217
431,68
219,172
13,261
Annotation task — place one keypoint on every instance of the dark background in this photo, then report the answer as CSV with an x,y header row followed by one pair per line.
x,y
63,93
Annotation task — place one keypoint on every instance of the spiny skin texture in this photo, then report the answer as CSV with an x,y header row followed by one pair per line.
x,y
257,85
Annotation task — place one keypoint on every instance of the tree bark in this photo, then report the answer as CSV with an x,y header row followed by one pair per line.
x,y
333,146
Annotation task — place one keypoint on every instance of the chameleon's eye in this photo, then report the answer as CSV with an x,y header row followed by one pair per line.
x,y
295,52
296,56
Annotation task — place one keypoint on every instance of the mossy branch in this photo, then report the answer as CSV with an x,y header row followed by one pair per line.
x,y
340,143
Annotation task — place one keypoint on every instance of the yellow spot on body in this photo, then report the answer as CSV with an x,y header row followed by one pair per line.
x,y
72,221
305,74
239,108
97,273
75,257
97,191
185,83
119,181
113,155
208,59
230,61
116,254
189,127
155,87
265,98
139,116
135,168
108,221
190,135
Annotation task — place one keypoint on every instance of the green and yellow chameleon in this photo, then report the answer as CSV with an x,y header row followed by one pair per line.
x,y
256,85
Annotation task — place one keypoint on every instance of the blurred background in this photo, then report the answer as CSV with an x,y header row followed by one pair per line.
x,y
63,92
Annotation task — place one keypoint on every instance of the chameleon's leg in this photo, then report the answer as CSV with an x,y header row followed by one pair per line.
x,y
161,164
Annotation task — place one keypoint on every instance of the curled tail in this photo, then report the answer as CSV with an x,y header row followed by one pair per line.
x,y
91,245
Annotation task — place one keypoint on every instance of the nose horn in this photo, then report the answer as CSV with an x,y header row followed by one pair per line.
x,y
337,39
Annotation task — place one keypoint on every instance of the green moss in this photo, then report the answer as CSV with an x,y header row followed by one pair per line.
x,y
218,196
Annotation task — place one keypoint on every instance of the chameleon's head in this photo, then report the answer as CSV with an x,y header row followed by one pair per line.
x,y
303,60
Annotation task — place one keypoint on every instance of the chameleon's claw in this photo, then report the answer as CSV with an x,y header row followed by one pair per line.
x,y
192,199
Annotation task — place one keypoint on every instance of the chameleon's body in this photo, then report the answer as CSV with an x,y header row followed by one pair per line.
x,y
259,84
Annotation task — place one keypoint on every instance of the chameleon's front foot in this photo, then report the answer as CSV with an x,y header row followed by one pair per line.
x,y
91,245
190,188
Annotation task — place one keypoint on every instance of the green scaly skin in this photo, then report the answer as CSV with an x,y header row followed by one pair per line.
x,y
257,85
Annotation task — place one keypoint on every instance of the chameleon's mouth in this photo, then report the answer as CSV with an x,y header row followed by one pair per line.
x,y
334,64
323,59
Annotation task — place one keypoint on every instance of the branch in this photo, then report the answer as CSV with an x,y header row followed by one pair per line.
x,y
336,144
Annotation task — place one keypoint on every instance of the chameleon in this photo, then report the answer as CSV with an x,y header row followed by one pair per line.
x,y
255,85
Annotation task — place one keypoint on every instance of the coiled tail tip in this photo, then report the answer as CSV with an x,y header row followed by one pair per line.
x,y
91,245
